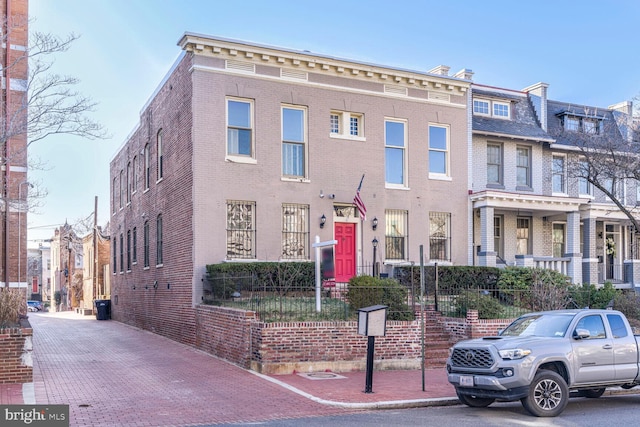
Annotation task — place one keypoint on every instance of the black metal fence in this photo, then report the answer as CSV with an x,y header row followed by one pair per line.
x,y
297,301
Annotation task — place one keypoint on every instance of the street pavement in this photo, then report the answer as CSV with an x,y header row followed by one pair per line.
x,y
112,374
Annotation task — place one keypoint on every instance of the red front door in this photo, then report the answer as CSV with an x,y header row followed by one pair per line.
x,y
345,234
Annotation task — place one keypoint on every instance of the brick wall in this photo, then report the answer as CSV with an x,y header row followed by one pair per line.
x,y
16,365
278,348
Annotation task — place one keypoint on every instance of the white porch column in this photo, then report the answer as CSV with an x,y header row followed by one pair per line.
x,y
573,247
487,255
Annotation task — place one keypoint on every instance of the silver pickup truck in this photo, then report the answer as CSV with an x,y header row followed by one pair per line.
x,y
541,357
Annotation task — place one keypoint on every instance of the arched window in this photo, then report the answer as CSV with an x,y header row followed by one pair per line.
x,y
160,154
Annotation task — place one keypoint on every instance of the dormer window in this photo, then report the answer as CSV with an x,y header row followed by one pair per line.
x,y
492,108
588,125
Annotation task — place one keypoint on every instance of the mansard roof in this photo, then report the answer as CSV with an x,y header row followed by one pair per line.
x,y
523,123
557,110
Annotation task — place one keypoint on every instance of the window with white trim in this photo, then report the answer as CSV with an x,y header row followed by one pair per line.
x,y
134,175
494,164
396,235
159,253
240,127
346,125
523,166
294,142
241,229
159,155
145,236
523,232
439,150
584,186
395,137
295,231
558,237
492,108
147,166
558,174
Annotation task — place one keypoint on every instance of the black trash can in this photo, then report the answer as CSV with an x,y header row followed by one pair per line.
x,y
103,309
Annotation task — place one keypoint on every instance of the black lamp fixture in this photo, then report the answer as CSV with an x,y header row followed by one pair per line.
x,y
323,219
374,223
374,243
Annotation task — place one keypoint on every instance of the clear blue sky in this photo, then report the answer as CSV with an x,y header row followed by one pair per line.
x,y
585,49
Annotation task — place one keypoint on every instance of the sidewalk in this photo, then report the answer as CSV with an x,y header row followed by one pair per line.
x,y
110,373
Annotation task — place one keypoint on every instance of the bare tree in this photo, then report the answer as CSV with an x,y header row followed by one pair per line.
x,y
608,156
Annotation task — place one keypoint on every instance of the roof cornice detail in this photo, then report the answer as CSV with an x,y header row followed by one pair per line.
x,y
511,136
307,61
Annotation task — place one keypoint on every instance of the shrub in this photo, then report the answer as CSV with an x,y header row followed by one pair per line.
x,y
487,306
629,304
12,306
365,291
534,289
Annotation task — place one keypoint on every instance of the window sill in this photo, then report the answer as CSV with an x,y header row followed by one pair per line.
x,y
440,177
347,137
158,181
395,186
240,159
146,268
495,186
146,190
554,194
292,179
159,265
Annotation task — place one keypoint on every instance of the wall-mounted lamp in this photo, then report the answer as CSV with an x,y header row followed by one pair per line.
x,y
321,194
155,284
323,219
168,285
374,223
600,235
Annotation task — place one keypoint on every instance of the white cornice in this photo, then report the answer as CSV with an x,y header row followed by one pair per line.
x,y
510,136
524,201
280,57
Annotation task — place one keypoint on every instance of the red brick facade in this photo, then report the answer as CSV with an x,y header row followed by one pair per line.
x,y
15,355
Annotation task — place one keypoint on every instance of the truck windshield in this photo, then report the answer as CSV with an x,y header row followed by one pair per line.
x,y
539,325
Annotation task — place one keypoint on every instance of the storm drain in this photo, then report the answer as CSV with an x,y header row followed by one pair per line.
x,y
321,376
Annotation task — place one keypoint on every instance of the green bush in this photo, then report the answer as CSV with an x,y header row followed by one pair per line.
x,y
280,277
450,278
588,295
487,306
365,291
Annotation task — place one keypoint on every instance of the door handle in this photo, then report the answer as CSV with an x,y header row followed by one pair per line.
x,y
607,346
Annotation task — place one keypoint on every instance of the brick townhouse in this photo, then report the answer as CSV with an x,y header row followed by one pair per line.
x,y
528,209
248,152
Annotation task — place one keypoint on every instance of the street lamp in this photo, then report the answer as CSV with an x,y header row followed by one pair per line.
x,y
374,243
20,208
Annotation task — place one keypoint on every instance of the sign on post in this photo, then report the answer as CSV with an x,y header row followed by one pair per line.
x,y
372,322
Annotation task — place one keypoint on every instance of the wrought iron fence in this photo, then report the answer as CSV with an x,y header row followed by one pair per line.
x,y
275,302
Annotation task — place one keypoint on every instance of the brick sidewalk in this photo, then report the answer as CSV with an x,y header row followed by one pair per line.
x,y
113,374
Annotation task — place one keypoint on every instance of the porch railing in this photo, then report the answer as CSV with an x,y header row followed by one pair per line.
x,y
560,265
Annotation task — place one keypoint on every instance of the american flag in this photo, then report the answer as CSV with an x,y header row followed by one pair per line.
x,y
359,203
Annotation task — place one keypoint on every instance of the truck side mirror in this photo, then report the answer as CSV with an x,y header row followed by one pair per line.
x,y
581,334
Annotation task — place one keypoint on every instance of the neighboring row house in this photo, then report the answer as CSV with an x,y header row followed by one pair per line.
x,y
248,152
529,210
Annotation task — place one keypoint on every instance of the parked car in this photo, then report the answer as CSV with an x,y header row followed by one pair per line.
x,y
34,305
541,357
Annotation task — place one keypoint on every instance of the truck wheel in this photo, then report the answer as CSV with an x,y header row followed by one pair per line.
x,y
548,395
475,402
593,393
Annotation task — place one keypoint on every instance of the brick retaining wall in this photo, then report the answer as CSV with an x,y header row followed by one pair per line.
x,y
16,364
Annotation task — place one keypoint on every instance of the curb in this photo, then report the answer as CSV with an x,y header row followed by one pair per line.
x,y
390,404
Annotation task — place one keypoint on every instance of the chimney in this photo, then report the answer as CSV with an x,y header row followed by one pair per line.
x,y
442,70
625,107
538,96
465,73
